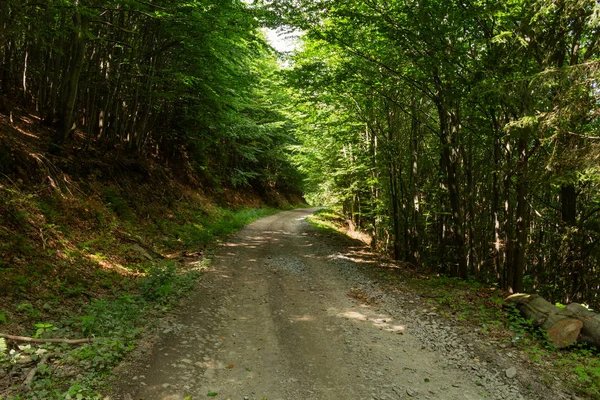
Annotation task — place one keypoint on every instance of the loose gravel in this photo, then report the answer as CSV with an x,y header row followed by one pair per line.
x,y
288,313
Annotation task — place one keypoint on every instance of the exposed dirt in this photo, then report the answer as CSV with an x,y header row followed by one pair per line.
x,y
286,313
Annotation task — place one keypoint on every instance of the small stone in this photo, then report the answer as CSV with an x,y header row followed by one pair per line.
x,y
511,372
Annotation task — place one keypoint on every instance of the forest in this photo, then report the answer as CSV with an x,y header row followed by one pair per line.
x,y
462,136
190,83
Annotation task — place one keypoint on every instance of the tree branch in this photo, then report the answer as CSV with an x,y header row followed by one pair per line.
x,y
34,340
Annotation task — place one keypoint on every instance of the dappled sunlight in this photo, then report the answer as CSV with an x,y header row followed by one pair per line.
x,y
210,364
198,265
109,265
24,132
354,315
361,258
302,318
258,238
210,268
380,321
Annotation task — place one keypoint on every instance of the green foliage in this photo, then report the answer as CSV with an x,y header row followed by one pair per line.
x,y
102,354
520,326
423,119
117,318
205,228
41,329
3,350
28,310
210,101
119,205
325,220
160,283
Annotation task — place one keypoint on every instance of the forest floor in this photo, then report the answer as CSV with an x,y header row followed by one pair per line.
x,y
290,311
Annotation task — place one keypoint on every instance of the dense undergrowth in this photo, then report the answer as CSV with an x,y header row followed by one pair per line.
x,y
480,308
98,249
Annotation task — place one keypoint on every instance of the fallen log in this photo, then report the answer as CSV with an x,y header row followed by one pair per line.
x,y
591,323
34,340
562,326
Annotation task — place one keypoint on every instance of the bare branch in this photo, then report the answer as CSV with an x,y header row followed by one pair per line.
x,y
34,340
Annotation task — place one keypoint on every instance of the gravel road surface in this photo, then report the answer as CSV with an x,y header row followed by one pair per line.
x,y
288,313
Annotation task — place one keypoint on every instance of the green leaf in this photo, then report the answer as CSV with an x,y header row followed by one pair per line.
x,y
212,394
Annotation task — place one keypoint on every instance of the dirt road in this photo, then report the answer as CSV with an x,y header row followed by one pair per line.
x,y
273,320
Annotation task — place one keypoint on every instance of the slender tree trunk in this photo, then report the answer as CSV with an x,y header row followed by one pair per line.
x,y
395,211
6,67
471,197
497,226
414,203
448,131
71,81
521,215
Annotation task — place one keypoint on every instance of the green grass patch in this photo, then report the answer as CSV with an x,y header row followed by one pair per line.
x,y
203,228
326,221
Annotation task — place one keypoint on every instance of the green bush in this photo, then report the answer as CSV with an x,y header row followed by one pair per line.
x,y
158,285
117,318
163,283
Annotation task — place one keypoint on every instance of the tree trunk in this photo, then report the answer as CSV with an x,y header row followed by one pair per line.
x,y
6,68
448,128
591,324
568,198
395,211
71,81
415,247
518,262
497,241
